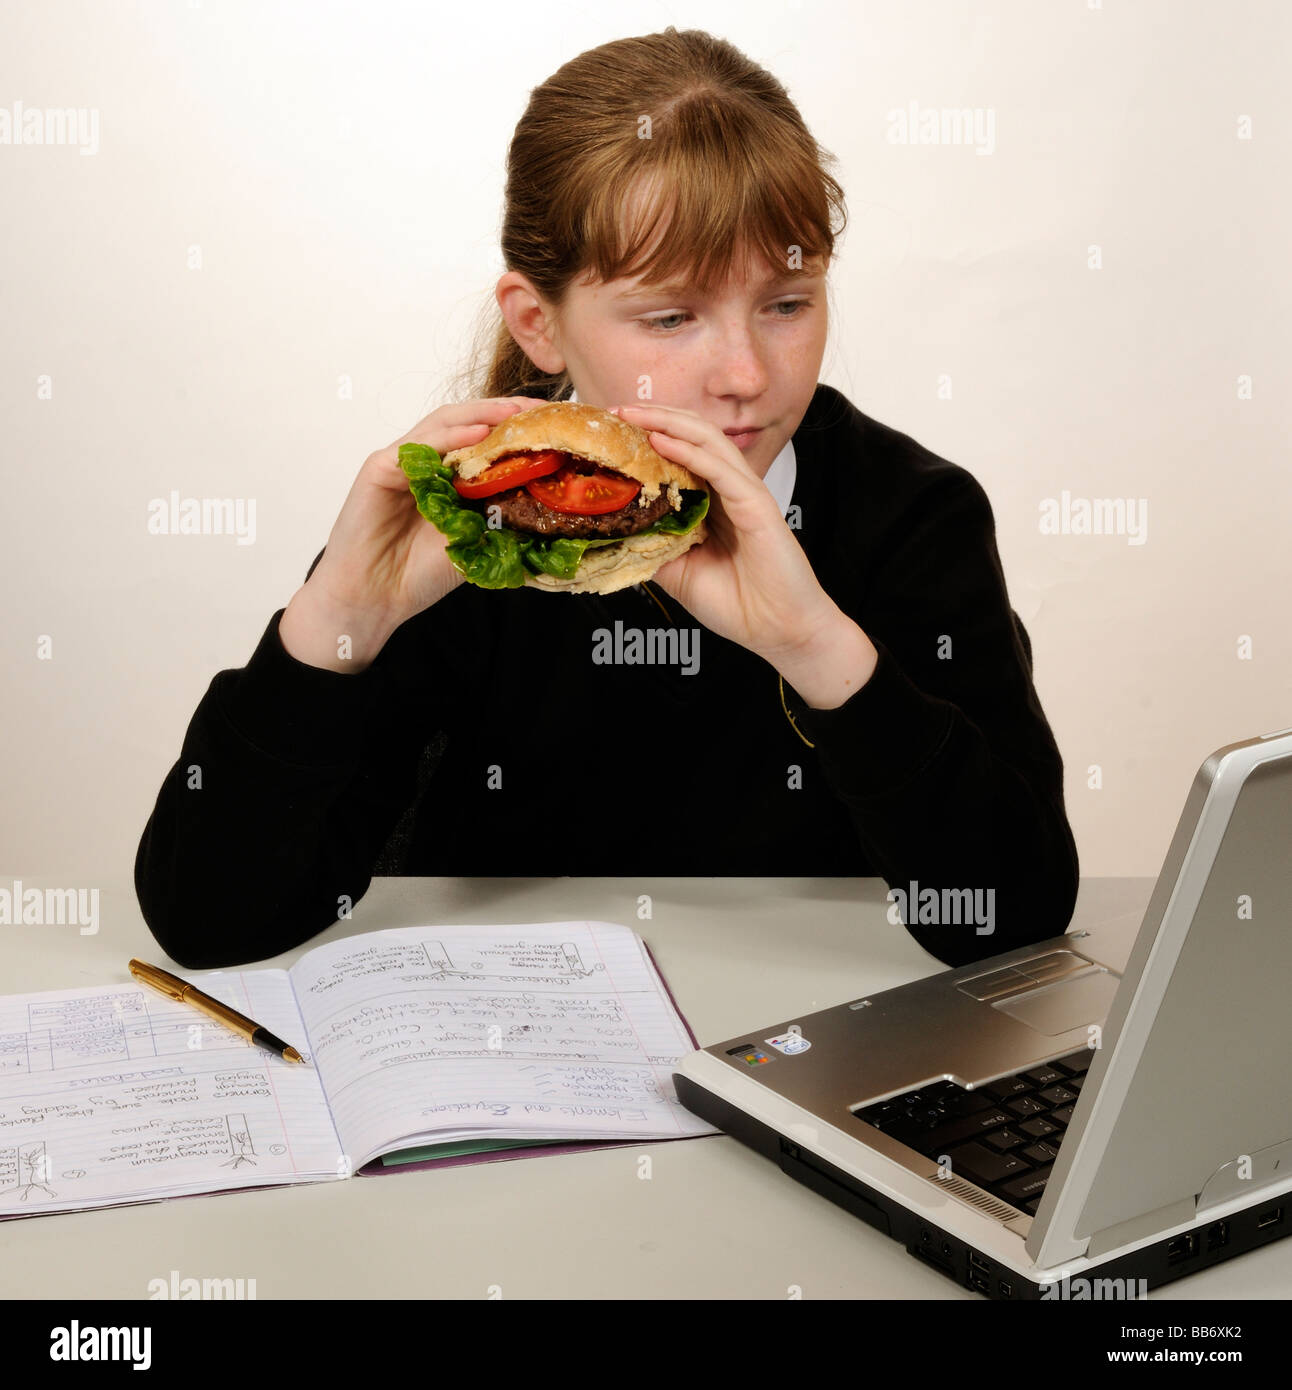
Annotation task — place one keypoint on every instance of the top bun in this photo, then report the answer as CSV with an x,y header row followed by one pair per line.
x,y
588,431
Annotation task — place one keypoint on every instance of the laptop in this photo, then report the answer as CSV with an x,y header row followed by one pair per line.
x,y
1091,1116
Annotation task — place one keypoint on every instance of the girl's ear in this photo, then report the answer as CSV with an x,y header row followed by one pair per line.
x,y
530,320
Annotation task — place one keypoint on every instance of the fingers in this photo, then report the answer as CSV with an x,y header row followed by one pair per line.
x,y
684,437
465,422
446,428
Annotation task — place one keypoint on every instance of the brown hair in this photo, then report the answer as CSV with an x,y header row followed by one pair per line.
x,y
714,141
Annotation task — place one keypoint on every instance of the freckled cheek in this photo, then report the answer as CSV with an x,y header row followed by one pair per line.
x,y
614,358
666,370
807,351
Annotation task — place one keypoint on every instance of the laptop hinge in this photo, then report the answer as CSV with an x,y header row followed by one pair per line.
x,y
1247,1173
1244,1176
1147,1224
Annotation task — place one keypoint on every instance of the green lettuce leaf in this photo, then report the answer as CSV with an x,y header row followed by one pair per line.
x,y
500,559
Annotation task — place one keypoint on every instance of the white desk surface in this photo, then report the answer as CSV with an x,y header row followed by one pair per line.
x,y
715,1219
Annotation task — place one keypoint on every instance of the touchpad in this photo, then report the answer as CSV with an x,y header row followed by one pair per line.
x,y
1067,1004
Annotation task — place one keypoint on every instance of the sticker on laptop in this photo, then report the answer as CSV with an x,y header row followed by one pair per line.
x,y
749,1054
789,1043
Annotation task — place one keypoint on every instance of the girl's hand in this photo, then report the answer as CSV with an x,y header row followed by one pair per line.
x,y
384,562
383,556
750,581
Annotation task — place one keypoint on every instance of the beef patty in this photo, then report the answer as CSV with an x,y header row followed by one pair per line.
x,y
523,512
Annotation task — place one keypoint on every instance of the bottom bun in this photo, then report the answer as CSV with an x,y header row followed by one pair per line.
x,y
612,567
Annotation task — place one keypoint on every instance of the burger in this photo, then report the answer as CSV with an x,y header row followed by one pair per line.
x,y
564,497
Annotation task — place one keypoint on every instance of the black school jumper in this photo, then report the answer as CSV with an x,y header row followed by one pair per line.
x,y
486,739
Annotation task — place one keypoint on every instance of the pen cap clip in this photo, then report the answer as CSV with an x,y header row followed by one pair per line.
x,y
157,979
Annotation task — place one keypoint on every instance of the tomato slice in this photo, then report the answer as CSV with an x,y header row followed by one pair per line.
x,y
588,494
511,471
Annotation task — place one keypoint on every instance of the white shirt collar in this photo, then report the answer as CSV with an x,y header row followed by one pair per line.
x,y
780,476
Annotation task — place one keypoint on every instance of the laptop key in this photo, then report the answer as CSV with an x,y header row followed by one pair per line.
x,y
1044,1076
1031,1205
1005,1087
1062,1115
981,1165
1040,1153
1003,1139
906,1133
1038,1127
956,1131
1025,1105
1057,1095
1028,1185
966,1103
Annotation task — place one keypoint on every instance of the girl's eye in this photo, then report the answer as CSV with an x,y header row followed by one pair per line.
x,y
657,324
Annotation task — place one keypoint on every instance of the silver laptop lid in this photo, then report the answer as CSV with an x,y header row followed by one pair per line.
x,y
1185,1084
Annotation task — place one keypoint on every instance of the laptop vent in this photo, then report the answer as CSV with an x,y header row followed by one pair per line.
x,y
968,1193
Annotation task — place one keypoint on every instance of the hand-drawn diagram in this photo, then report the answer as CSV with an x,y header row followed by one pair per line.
x,y
30,1163
239,1136
107,1093
554,961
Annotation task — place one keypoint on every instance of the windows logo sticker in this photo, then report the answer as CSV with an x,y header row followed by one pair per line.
x,y
749,1054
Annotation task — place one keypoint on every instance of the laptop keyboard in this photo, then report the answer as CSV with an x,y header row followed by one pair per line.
x,y
1002,1136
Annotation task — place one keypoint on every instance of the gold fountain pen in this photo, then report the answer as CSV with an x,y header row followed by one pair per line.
x,y
184,993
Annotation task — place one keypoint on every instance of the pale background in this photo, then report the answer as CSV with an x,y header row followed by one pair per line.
x,y
340,167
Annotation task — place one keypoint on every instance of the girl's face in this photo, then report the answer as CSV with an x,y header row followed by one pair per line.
x,y
746,356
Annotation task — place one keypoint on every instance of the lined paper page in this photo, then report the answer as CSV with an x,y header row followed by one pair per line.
x,y
115,1093
544,1030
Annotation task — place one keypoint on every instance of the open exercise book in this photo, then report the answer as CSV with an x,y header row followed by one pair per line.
x,y
424,1046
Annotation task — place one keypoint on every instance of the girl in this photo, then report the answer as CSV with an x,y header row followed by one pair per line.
x,y
833,683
